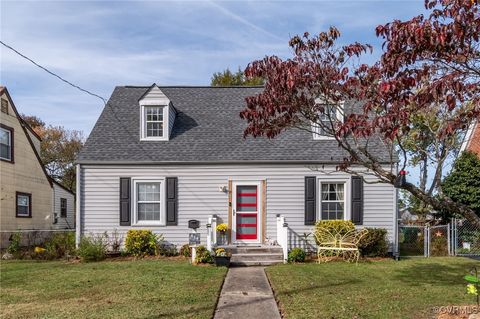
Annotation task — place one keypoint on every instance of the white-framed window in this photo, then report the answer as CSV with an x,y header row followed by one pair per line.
x,y
331,114
24,204
153,126
332,200
6,153
149,202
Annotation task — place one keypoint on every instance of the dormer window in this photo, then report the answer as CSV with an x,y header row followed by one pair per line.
x,y
331,114
153,121
157,115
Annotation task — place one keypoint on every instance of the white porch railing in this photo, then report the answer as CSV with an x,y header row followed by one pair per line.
x,y
282,236
211,232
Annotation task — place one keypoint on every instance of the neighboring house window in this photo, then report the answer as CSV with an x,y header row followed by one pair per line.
x,y
4,106
148,200
332,201
331,114
24,205
6,143
153,122
63,207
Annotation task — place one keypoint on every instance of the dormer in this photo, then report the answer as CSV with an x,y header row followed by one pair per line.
x,y
331,113
157,115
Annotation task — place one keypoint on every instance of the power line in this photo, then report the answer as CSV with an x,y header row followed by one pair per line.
x,y
54,74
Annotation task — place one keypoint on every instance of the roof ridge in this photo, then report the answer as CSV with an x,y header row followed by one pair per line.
x,y
193,86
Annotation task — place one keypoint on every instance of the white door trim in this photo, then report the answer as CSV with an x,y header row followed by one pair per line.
x,y
259,212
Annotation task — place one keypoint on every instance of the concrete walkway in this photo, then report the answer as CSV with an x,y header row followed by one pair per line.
x,y
246,293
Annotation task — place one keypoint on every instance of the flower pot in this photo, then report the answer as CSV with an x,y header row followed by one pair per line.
x,y
222,261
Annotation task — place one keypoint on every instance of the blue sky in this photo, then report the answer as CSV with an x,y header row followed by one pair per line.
x,y
101,44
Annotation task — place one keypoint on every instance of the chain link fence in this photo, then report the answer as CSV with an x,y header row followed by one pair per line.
x,y
466,238
458,238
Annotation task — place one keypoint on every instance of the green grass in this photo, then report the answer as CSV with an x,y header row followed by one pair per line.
x,y
379,289
109,289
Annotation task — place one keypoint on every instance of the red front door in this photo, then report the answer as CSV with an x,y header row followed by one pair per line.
x,y
246,212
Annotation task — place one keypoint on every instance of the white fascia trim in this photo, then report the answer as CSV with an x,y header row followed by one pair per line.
x,y
166,109
163,206
468,136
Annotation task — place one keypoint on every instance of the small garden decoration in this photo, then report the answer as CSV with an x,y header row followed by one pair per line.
x,y
222,257
222,229
473,284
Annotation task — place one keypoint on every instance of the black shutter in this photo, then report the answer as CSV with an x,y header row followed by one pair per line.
x,y
125,192
310,200
172,200
357,200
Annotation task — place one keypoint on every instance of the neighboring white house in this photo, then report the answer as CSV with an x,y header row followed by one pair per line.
x,y
161,156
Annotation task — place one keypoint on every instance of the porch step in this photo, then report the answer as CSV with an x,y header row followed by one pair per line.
x,y
256,250
258,257
251,263
255,255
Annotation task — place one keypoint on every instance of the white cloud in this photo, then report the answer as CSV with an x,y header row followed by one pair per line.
x,y
99,45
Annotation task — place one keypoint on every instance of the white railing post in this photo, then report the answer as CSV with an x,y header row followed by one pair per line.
x,y
282,236
214,230
211,232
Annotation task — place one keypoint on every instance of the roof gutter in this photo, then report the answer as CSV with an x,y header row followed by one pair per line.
x,y
244,162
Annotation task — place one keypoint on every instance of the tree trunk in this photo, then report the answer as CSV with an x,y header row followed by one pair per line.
x,y
445,204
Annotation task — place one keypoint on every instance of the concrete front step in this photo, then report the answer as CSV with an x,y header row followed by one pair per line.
x,y
255,255
248,263
255,250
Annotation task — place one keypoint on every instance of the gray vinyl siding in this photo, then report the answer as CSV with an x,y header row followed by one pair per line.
x,y
68,222
199,196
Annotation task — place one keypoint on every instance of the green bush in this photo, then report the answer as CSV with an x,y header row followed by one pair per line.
x,y
92,248
203,256
296,255
374,243
60,245
186,251
167,250
333,226
15,243
142,242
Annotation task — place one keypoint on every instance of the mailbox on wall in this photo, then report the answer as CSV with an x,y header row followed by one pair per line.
x,y
193,224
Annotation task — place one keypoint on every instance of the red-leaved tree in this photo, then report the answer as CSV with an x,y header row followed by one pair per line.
x,y
427,83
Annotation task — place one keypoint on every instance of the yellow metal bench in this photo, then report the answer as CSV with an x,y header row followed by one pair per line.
x,y
334,244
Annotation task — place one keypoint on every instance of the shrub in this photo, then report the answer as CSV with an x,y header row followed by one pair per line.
x,y
167,250
186,251
296,255
60,245
15,243
374,243
142,242
333,226
92,248
203,256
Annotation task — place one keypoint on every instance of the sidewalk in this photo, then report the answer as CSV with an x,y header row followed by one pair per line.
x,y
246,293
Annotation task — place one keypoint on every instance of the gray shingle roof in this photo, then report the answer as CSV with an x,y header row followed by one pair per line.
x,y
207,129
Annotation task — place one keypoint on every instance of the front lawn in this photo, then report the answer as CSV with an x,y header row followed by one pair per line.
x,y
379,289
109,289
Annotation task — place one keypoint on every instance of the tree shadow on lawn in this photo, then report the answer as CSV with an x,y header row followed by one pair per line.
x,y
433,272
324,285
